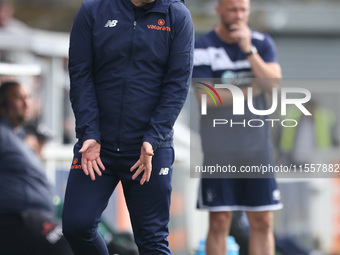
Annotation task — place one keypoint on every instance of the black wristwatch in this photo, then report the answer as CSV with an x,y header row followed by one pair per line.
x,y
252,51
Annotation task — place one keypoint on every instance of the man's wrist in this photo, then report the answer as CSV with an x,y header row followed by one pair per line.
x,y
150,141
252,51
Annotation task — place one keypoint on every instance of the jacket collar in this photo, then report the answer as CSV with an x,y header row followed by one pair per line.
x,y
5,122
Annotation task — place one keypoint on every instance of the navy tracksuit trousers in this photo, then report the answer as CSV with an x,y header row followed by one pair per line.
x,y
148,204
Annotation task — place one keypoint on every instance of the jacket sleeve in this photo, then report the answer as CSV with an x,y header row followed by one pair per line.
x,y
2,136
176,80
82,91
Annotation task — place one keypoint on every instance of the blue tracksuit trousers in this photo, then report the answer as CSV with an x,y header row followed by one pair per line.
x,y
148,205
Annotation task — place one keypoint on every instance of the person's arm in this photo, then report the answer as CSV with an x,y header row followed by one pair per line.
x,y
225,95
263,64
202,76
176,80
175,89
262,69
82,92
268,74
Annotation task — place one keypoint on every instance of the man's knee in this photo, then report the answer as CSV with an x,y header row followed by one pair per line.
x,y
78,227
220,221
260,221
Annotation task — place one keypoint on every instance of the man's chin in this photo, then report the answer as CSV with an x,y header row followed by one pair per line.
x,y
228,26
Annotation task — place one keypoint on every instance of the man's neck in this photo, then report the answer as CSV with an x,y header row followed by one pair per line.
x,y
140,3
16,128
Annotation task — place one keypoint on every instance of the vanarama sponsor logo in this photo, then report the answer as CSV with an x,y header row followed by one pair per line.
x,y
74,164
161,22
160,26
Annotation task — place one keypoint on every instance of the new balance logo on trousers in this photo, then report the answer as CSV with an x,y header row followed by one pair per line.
x,y
164,171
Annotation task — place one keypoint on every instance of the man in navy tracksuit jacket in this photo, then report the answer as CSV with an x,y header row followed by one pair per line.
x,y
130,67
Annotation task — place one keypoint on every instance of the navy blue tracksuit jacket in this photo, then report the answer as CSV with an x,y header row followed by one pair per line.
x,y
129,78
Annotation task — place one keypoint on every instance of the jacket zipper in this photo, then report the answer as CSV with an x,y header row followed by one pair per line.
x,y
126,82
126,78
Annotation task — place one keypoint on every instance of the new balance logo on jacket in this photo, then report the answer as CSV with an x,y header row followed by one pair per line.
x,y
111,23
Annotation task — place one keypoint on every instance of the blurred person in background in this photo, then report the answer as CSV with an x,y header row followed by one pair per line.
x,y
233,51
6,13
27,216
7,20
316,132
10,29
130,66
